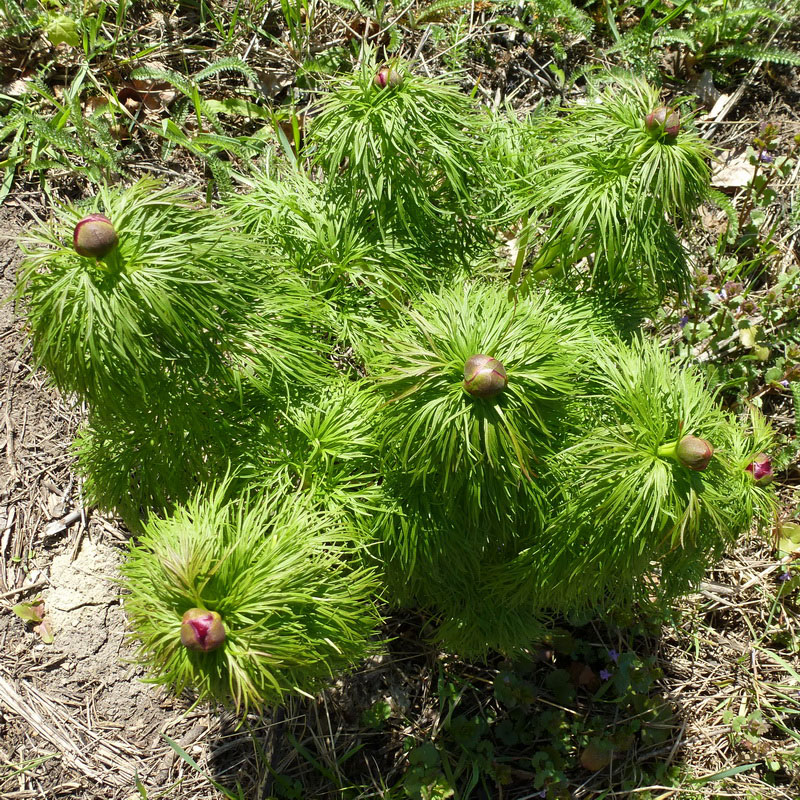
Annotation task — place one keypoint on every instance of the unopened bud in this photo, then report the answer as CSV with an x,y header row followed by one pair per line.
x,y
387,76
663,120
202,630
484,376
94,236
761,469
694,453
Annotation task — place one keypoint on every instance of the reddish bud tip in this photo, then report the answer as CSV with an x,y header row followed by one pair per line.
x,y
484,376
387,76
663,120
94,236
761,469
202,630
694,453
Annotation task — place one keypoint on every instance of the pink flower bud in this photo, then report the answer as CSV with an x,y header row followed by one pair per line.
x,y
388,76
663,120
761,469
484,376
94,236
202,630
694,453
673,124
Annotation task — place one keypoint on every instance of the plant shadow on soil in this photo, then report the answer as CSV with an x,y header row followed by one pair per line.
x,y
694,702
585,710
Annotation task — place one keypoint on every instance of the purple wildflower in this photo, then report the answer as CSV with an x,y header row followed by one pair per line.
x,y
783,577
723,295
785,383
613,655
766,158
604,674
684,320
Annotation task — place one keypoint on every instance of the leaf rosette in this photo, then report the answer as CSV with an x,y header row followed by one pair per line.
x,y
180,291
443,437
632,506
293,612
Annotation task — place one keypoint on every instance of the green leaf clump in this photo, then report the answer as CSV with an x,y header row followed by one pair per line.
x,y
404,366
294,612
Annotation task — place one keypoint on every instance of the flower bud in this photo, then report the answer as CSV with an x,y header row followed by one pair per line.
x,y
484,376
94,236
202,630
663,120
761,469
387,76
694,453
733,288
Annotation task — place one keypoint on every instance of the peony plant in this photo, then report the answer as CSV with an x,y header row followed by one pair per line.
x,y
337,387
178,295
624,172
246,599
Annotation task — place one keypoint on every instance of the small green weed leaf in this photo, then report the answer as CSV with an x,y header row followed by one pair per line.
x,y
747,335
140,787
782,662
597,754
562,641
506,733
467,731
788,539
182,753
426,755
440,789
773,375
761,353
726,773
558,682
62,28
789,587
45,631
698,333
424,780
376,714
513,691
32,611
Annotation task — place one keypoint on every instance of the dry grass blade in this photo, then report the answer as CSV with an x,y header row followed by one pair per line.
x,y
104,762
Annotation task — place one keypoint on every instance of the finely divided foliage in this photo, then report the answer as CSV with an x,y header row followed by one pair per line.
x,y
437,430
294,614
182,295
611,192
333,388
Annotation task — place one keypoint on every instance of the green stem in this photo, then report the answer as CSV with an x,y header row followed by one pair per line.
x,y
641,149
111,263
669,450
522,251
542,268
